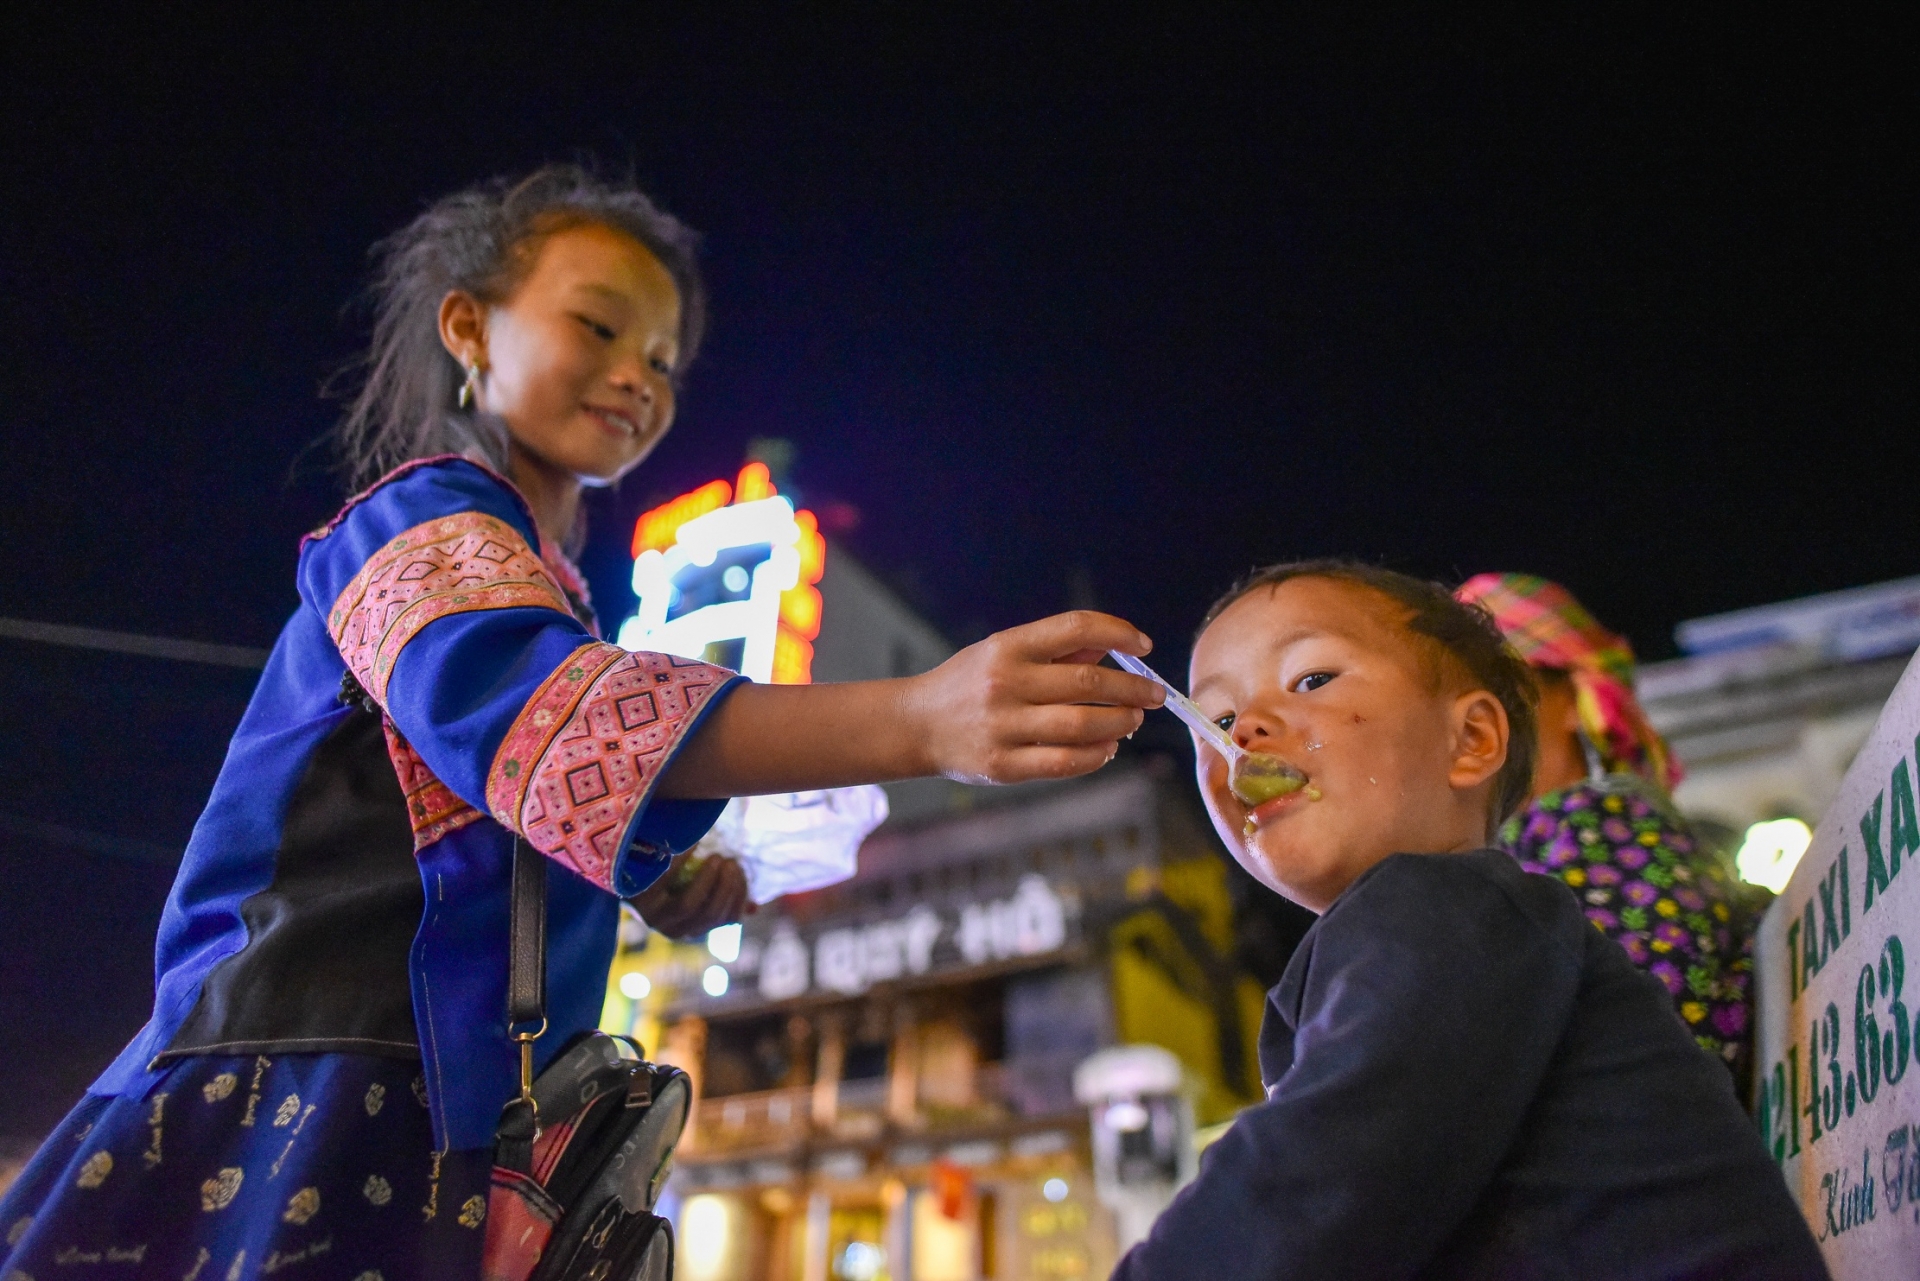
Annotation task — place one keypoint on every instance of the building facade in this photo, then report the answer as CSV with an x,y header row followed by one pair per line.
x,y
1770,704
885,1073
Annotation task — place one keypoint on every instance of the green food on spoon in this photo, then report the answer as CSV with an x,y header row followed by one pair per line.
x,y
1258,778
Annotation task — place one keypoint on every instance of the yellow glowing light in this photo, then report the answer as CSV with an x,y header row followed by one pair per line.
x,y
800,610
792,659
800,607
1771,851
705,1237
656,530
755,483
813,548
944,1249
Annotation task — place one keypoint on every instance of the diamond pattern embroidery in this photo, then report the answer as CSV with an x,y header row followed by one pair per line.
x,y
637,711
468,561
586,750
589,782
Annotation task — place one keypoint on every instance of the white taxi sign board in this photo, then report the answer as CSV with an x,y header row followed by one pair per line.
x,y
1837,968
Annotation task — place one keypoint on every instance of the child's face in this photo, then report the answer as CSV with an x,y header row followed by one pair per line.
x,y
1324,674
579,360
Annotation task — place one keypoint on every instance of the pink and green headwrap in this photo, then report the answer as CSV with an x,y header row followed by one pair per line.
x,y
1550,629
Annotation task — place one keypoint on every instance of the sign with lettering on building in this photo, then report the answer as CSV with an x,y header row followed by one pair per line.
x,y
1838,975
1034,919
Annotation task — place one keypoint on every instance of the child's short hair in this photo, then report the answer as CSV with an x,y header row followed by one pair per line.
x,y
1466,638
404,401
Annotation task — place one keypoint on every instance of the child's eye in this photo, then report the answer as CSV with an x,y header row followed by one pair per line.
x,y
1311,681
662,367
600,331
1225,722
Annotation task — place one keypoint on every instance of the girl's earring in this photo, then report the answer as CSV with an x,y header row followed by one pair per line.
x,y
470,388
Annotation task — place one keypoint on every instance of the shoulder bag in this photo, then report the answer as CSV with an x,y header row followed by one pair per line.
x,y
581,1154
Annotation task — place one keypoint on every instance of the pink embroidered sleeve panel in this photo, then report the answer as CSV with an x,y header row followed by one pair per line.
x,y
432,807
579,759
582,758
467,561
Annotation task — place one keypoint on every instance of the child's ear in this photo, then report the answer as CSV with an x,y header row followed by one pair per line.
x,y
1479,740
463,328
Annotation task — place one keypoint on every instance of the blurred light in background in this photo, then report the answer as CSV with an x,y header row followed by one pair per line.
x,y
940,1248
724,943
1054,1189
714,981
1771,851
634,985
862,1261
705,1241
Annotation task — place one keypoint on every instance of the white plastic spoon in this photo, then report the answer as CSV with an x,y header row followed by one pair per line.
x,y
1254,776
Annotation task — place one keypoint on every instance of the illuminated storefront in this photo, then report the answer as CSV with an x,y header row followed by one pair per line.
x,y
884,1067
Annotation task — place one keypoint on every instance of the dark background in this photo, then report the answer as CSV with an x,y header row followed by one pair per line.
x,y
1071,306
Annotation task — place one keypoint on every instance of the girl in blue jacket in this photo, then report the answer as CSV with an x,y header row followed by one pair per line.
x,y
328,1057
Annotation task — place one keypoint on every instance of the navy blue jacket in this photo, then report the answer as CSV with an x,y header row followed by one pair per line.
x,y
1464,1078
436,695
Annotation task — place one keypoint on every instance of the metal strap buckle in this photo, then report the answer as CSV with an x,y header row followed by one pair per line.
x,y
526,1040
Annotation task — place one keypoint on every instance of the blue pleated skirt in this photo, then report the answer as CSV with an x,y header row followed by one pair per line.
x,y
304,1166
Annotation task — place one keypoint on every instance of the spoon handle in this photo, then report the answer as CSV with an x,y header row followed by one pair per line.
x,y
1182,706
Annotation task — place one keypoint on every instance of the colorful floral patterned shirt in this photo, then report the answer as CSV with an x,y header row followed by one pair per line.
x,y
1646,883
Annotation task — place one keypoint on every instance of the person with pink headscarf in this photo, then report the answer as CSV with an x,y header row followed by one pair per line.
x,y
1601,816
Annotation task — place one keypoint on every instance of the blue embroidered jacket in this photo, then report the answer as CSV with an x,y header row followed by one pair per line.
x,y
435,694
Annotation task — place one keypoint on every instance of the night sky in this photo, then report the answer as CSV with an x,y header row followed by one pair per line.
x,y
1068,307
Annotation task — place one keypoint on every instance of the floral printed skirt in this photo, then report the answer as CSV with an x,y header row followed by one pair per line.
x,y
295,1165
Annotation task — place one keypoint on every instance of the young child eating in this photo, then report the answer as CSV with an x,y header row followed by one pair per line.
x,y
1463,1077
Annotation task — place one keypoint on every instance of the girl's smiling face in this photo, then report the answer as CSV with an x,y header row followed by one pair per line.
x,y
579,358
1325,675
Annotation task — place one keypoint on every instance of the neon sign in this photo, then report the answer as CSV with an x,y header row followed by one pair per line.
x,y
727,574
1034,921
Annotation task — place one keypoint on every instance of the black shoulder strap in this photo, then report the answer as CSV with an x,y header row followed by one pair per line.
x,y
526,1001
527,942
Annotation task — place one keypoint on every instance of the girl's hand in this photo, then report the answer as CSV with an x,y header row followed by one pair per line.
x,y
1024,704
690,899
1031,702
